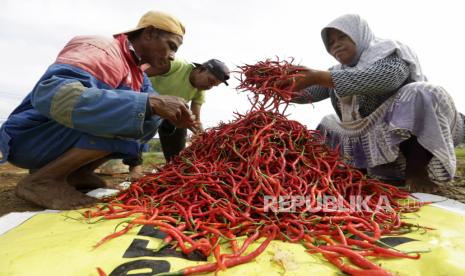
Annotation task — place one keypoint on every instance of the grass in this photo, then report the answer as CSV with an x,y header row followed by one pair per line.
x,y
153,158
460,152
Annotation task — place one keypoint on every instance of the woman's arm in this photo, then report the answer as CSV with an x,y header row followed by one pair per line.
x,y
312,94
383,77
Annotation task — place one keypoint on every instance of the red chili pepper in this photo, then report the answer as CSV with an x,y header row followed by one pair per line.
x,y
114,235
356,258
101,272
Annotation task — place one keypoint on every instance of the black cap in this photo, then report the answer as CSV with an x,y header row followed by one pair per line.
x,y
217,68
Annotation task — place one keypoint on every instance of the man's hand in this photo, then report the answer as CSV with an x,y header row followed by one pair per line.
x,y
172,108
195,108
200,127
197,128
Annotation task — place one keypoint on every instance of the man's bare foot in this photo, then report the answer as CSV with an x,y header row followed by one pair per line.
x,y
421,184
135,172
86,181
52,194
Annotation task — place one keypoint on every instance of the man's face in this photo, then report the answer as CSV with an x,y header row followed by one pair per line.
x,y
158,47
341,47
205,80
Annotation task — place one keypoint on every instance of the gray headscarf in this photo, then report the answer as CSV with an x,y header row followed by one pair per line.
x,y
370,48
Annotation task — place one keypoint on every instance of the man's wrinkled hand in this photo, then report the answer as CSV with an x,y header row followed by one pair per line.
x,y
172,108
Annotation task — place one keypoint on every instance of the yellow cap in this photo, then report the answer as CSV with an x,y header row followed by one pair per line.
x,y
159,20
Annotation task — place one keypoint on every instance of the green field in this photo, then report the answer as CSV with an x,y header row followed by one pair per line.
x,y
153,157
460,152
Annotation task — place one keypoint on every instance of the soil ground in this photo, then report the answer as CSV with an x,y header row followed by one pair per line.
x,y
10,175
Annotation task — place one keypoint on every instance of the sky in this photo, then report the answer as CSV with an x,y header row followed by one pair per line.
x,y
237,32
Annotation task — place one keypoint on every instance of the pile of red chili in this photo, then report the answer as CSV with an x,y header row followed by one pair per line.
x,y
247,178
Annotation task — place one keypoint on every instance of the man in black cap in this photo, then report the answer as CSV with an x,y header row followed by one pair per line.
x,y
188,81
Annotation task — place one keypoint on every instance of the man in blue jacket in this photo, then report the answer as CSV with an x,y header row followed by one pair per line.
x,y
93,104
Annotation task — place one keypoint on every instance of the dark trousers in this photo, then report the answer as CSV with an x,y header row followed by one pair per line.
x,y
174,143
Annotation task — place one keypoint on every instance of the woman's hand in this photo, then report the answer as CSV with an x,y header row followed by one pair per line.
x,y
303,77
297,79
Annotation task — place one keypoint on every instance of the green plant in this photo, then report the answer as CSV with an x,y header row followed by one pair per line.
x,y
460,152
154,145
151,158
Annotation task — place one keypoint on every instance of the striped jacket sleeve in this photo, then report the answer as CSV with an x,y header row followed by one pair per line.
x,y
383,77
312,94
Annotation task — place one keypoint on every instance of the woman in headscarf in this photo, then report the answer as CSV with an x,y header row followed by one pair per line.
x,y
389,121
